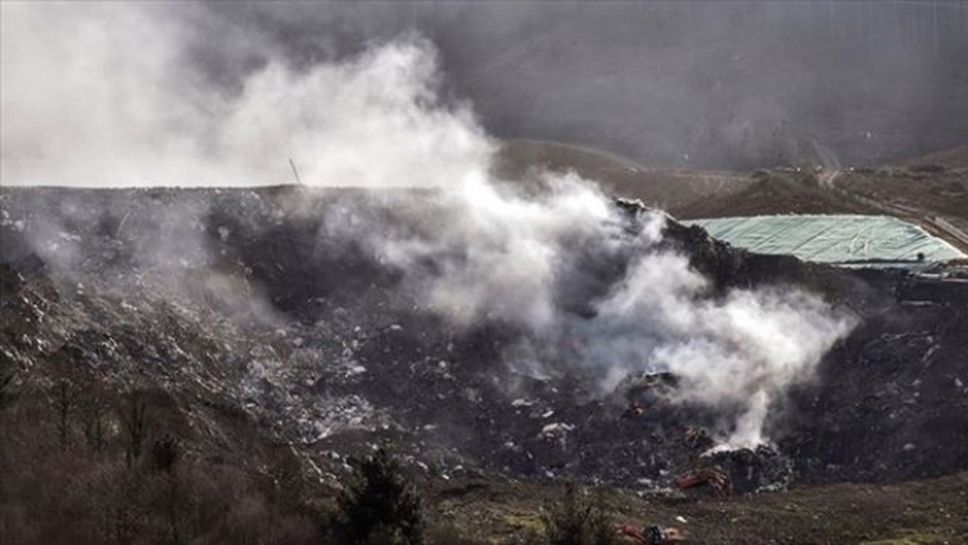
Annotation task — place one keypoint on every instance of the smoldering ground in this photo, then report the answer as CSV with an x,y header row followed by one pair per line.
x,y
591,285
600,297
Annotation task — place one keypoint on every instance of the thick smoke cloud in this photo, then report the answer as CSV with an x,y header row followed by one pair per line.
x,y
595,291
593,288
739,352
599,296
99,95
97,91
495,253
709,84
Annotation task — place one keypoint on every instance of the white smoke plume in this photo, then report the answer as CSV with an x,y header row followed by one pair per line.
x,y
496,255
126,112
741,351
103,95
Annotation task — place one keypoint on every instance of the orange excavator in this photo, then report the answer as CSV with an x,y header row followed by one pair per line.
x,y
713,476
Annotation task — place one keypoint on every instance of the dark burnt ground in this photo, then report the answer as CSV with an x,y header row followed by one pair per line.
x,y
257,316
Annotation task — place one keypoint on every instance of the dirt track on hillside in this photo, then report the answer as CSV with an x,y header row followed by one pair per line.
x,y
931,191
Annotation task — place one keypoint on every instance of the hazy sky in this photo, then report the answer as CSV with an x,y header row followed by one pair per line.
x,y
724,83
711,84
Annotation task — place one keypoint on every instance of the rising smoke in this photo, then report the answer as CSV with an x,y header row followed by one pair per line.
x,y
599,296
483,249
129,110
560,261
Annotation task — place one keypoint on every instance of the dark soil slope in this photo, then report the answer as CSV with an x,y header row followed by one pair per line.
x,y
312,337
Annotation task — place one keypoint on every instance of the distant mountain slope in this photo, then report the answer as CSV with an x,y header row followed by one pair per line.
x,y
930,190
950,158
669,189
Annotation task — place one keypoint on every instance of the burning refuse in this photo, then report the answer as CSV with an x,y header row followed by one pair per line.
x,y
410,289
372,291
562,261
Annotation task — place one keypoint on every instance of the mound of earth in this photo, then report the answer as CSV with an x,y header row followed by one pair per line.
x,y
310,338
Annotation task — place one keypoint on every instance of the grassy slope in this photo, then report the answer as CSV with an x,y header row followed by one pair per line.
x,y
929,511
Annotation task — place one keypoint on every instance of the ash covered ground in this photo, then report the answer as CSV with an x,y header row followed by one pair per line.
x,y
255,305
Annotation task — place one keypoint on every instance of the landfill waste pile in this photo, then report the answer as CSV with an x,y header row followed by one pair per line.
x,y
292,273
248,302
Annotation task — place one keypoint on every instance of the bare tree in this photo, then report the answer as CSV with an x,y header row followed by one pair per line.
x,y
67,372
574,520
128,512
165,455
6,379
66,392
135,421
94,412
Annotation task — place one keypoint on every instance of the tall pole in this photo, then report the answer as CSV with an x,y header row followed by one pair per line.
x,y
295,172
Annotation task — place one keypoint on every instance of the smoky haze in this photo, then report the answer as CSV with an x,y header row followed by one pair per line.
x,y
590,286
710,84
121,94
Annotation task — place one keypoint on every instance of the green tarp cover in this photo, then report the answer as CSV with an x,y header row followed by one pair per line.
x,y
831,238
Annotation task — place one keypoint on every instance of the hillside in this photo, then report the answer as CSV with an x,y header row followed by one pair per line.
x,y
930,190
270,347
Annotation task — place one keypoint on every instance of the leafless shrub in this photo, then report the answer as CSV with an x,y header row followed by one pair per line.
x,y
134,418
576,520
128,488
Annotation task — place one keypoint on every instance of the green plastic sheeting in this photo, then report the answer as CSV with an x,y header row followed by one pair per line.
x,y
831,238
